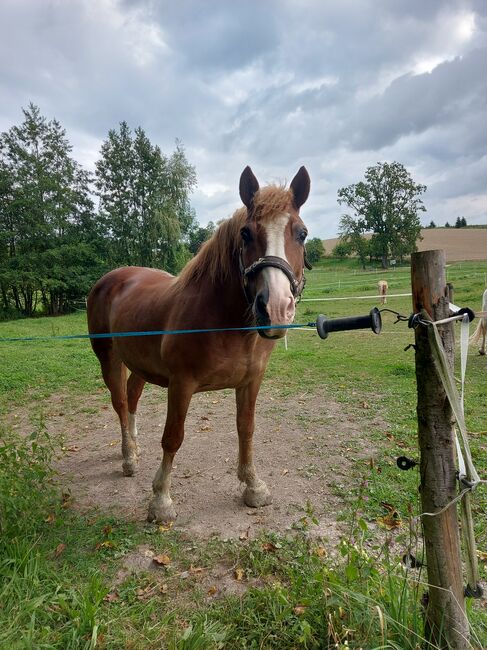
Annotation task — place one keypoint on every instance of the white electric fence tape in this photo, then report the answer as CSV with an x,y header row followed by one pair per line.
x,y
467,469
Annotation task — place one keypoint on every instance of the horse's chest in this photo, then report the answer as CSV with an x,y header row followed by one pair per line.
x,y
228,364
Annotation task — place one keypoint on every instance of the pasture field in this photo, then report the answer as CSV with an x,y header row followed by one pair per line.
x,y
74,576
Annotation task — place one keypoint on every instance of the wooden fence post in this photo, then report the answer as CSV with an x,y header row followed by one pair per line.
x,y
446,624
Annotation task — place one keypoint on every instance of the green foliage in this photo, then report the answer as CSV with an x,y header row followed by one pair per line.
x,y
432,225
144,200
314,250
387,204
50,247
198,235
25,483
461,222
342,249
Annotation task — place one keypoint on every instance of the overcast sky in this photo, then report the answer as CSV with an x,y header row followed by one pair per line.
x,y
332,85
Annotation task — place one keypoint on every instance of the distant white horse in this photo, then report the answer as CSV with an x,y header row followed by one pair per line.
x,y
481,331
382,287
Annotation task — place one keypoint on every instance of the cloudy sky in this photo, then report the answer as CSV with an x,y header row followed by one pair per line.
x,y
335,85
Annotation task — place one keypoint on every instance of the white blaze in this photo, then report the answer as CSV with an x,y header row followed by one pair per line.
x,y
280,295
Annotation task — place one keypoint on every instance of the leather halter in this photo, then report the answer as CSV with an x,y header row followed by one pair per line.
x,y
296,285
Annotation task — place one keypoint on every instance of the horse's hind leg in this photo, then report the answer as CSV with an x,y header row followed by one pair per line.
x,y
135,386
256,492
161,507
115,376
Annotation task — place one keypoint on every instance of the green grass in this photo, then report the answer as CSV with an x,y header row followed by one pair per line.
x,y
296,596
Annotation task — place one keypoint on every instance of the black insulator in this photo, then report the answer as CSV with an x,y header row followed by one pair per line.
x,y
405,463
468,311
471,592
326,325
411,562
414,320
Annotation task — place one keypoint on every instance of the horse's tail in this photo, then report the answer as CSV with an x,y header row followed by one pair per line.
x,y
480,331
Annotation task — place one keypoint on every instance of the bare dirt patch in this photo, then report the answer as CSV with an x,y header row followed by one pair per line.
x,y
304,446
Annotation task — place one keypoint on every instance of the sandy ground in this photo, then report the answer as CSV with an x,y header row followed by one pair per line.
x,y
304,445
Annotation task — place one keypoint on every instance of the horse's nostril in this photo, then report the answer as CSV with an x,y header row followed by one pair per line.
x,y
261,301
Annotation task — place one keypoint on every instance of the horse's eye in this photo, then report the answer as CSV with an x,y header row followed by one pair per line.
x,y
246,234
302,235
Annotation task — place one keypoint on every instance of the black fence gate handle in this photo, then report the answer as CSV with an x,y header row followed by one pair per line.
x,y
326,325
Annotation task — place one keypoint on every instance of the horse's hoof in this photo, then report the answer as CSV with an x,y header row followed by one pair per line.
x,y
161,513
129,467
257,496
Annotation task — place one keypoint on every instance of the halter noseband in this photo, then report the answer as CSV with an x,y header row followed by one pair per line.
x,y
296,285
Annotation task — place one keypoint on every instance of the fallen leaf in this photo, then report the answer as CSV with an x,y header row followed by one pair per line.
x,y
482,556
365,405
162,560
111,597
269,547
212,590
112,443
196,569
73,448
299,610
392,519
205,417
285,471
107,529
59,549
320,551
238,574
165,527
50,519
206,427
105,544
144,593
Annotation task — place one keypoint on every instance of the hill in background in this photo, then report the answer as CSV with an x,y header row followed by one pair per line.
x,y
458,243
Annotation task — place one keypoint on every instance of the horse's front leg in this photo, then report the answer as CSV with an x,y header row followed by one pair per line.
x,y
161,507
256,492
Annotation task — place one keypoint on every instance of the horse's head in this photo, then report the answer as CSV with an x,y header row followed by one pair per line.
x,y
272,250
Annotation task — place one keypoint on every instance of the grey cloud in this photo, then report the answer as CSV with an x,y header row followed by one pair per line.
x,y
414,103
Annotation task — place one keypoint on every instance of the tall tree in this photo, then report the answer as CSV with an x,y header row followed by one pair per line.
x,y
45,214
144,200
387,204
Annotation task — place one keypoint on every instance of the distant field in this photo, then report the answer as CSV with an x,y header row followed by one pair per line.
x,y
458,243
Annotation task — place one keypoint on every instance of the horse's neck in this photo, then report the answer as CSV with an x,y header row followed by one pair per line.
x,y
218,301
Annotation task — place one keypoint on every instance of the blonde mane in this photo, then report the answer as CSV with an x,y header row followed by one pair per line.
x,y
218,257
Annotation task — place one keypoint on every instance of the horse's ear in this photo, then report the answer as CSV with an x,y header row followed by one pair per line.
x,y
248,187
300,187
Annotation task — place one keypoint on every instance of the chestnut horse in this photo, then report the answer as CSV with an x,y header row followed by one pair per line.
x,y
250,272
